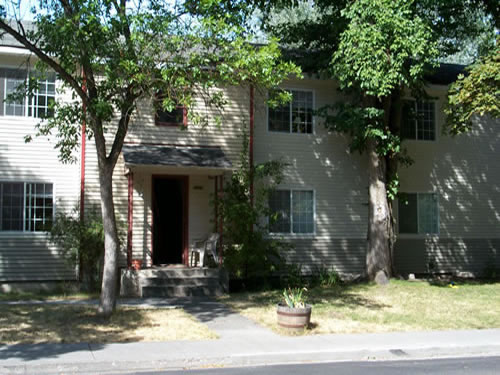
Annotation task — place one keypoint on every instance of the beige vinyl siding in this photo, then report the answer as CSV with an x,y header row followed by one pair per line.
x,y
235,115
464,173
448,255
321,162
120,193
23,255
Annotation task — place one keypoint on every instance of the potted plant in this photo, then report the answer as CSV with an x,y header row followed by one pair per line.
x,y
293,313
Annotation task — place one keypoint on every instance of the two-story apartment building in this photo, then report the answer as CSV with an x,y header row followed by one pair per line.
x,y
165,178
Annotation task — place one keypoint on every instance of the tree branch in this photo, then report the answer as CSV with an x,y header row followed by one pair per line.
x,y
123,124
46,59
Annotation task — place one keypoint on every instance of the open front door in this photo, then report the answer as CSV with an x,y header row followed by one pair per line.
x,y
170,218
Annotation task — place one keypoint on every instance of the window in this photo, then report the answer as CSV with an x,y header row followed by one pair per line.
x,y
26,206
38,105
176,117
295,116
292,211
418,213
418,120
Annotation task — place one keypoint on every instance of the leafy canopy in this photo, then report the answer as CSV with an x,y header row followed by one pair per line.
x,y
385,46
130,51
476,93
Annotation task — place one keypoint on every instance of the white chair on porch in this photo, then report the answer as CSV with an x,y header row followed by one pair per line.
x,y
202,248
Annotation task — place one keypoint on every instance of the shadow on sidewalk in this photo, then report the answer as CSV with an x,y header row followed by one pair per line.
x,y
46,351
207,310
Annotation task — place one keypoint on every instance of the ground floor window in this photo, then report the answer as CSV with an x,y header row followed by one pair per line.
x,y
26,206
418,213
291,211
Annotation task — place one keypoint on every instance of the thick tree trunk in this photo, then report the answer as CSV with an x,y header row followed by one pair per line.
x,y
111,242
378,257
392,165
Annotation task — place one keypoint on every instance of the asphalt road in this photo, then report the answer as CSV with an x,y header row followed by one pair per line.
x,y
475,366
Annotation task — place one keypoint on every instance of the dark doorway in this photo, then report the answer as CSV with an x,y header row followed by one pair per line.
x,y
169,219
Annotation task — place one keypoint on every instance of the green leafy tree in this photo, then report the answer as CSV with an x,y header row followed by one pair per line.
x,y
114,53
475,94
377,50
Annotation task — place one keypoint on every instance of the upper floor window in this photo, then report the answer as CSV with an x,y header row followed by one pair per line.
x,y
292,211
418,120
26,206
37,105
418,213
175,117
295,116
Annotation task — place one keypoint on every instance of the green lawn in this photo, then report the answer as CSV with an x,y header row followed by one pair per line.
x,y
399,306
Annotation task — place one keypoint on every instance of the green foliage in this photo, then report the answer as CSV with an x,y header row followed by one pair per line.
x,y
382,37
130,52
326,277
293,276
249,252
294,297
82,244
477,93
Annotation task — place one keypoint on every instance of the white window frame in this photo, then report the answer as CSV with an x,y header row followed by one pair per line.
x,y
25,183
313,127
414,101
27,99
409,235
291,233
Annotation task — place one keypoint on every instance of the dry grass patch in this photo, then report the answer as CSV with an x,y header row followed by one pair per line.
x,y
46,296
399,306
27,324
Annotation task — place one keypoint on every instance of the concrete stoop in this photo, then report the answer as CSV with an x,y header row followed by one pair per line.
x,y
167,282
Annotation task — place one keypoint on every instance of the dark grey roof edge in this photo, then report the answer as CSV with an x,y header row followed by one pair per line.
x,y
176,156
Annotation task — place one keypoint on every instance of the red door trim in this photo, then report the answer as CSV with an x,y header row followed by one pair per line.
x,y
185,213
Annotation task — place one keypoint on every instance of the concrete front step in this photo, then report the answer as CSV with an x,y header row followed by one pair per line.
x,y
180,272
182,291
173,282
186,281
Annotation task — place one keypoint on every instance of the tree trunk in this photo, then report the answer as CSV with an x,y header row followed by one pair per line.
x,y
111,243
378,257
392,165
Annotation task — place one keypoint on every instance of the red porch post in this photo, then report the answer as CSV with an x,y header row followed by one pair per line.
x,y
130,216
221,229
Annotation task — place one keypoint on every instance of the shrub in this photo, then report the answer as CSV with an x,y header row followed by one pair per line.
x,y
325,276
82,244
248,252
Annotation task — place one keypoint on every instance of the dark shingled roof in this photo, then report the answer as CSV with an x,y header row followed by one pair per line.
x,y
8,40
205,157
445,74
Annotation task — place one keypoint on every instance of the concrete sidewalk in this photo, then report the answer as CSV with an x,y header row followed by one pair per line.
x,y
241,342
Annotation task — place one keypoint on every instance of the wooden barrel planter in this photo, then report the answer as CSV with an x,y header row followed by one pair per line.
x,y
295,319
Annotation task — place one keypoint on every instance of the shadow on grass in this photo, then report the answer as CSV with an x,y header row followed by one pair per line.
x,y
67,324
445,281
344,295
